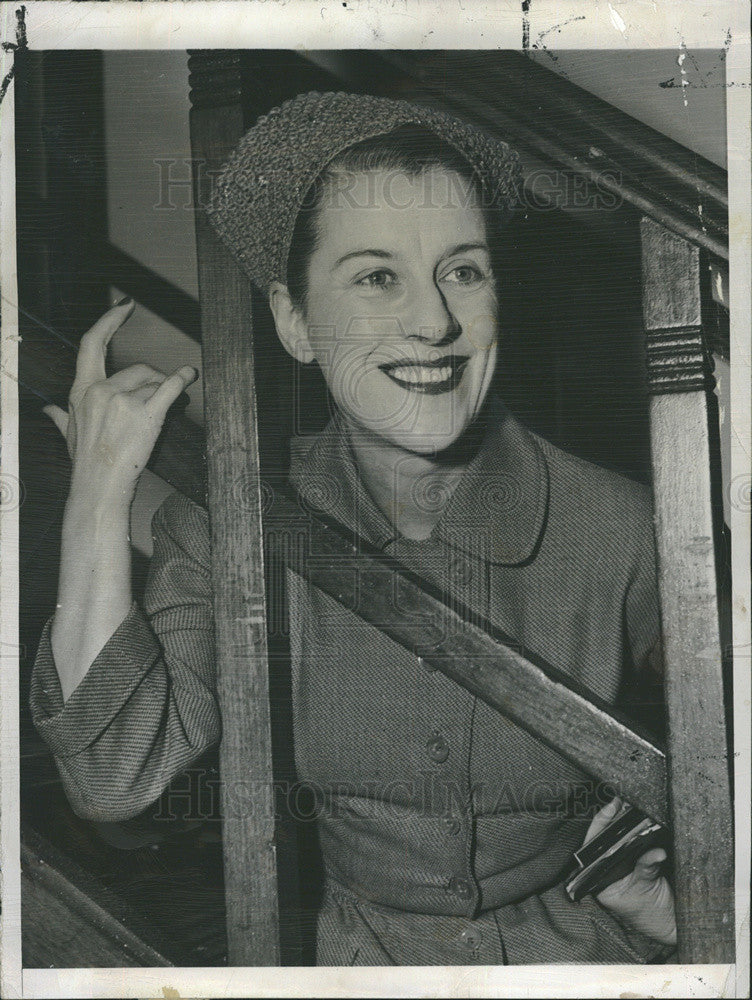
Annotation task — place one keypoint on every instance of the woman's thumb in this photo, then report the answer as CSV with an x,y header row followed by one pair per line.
x,y
602,818
58,417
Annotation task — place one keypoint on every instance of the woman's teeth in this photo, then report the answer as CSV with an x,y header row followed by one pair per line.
x,y
422,376
444,375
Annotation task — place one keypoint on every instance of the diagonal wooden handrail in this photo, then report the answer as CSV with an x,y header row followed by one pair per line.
x,y
549,120
540,698
71,919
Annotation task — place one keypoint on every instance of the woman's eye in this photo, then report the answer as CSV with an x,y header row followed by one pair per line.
x,y
377,279
464,274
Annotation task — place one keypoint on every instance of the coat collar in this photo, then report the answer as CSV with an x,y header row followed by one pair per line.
x,y
497,509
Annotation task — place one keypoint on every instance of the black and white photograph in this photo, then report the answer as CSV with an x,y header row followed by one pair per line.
x,y
375,499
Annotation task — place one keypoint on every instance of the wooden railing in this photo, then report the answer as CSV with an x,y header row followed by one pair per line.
x,y
679,379
559,124
71,920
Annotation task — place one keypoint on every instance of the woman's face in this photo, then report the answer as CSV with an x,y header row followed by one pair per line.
x,y
402,306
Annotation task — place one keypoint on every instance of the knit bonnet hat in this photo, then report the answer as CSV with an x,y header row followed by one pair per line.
x,y
262,186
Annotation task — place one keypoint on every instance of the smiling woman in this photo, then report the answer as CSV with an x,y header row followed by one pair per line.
x,y
405,331
378,230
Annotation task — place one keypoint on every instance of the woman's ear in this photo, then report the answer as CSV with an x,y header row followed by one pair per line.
x,y
290,322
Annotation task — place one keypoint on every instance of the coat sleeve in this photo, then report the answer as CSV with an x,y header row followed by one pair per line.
x,y
147,707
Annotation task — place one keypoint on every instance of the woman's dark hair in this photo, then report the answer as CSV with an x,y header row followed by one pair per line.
x,y
409,149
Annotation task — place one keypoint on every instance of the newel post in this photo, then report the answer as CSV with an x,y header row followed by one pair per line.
x,y
679,379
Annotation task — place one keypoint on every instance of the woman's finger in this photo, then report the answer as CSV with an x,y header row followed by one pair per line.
x,y
171,388
602,818
135,376
649,864
145,391
58,417
90,363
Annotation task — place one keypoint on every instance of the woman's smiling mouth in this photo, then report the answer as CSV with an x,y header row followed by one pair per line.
x,y
429,377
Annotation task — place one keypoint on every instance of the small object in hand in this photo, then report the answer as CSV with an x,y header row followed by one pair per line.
x,y
612,853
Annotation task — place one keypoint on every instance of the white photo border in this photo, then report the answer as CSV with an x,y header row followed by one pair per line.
x,y
375,24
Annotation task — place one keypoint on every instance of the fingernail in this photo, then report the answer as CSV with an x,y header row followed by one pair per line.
x,y
126,300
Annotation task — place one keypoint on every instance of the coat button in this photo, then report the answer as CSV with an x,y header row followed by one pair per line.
x,y
452,825
428,667
471,937
460,887
461,571
438,749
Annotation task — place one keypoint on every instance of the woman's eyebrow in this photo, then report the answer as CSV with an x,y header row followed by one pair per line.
x,y
384,254
464,247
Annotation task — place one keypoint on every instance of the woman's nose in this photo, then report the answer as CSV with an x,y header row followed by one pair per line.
x,y
431,318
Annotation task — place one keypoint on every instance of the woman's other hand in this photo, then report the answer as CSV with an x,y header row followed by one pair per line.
x,y
642,900
112,424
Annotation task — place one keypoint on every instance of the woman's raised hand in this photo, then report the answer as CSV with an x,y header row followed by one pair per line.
x,y
112,424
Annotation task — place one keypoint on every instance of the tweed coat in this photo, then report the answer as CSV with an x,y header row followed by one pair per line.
x,y
443,826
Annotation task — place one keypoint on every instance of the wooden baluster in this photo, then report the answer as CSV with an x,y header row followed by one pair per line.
x,y
248,803
700,803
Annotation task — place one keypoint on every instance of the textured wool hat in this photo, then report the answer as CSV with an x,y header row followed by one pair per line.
x,y
263,184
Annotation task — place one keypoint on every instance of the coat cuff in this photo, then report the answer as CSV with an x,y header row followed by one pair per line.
x,y
120,666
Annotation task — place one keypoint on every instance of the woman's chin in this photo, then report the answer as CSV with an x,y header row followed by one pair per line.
x,y
428,442
430,432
